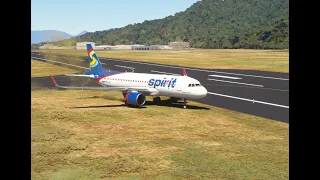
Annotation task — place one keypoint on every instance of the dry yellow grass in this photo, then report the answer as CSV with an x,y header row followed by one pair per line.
x,y
39,69
92,135
90,132
266,60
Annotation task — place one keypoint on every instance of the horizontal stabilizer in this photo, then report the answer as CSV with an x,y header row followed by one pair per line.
x,y
80,75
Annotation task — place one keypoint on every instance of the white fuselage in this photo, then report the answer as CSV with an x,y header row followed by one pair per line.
x,y
158,84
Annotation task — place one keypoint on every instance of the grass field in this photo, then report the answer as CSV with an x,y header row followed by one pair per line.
x,y
91,135
265,60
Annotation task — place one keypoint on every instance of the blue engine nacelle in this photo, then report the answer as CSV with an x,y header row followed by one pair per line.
x,y
135,98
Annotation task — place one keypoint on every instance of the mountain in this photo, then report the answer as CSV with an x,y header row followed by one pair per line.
x,y
251,24
51,36
48,35
82,33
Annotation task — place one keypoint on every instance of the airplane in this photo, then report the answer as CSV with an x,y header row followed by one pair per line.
x,y
136,86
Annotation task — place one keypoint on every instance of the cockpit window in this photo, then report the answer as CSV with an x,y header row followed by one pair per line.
x,y
194,85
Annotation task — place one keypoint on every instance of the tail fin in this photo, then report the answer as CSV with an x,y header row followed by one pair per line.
x,y
94,61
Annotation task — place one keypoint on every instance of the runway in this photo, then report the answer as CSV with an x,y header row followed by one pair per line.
x,y
259,93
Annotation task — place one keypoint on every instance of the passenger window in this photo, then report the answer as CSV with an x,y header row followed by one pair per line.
x,y
192,85
189,85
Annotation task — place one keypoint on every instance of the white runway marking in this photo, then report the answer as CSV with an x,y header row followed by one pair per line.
x,y
61,63
246,75
140,63
235,82
165,73
211,71
69,58
125,67
198,69
228,77
66,58
250,100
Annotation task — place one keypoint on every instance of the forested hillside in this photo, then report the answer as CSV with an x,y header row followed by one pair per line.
x,y
252,24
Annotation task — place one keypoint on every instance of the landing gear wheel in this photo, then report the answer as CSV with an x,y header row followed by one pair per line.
x,y
156,100
184,103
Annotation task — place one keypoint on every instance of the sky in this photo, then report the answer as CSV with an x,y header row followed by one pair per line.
x,y
75,16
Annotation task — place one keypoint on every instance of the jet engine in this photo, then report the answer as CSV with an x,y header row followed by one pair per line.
x,y
135,98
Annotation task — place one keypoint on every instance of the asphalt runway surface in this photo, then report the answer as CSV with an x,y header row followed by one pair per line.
x,y
264,94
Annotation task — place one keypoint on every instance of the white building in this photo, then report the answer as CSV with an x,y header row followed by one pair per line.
x,y
83,45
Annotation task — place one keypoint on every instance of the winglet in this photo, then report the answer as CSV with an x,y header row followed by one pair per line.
x,y
53,81
184,73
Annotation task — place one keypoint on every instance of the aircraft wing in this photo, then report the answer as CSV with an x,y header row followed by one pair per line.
x,y
100,88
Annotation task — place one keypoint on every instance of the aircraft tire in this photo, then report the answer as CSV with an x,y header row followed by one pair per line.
x,y
157,100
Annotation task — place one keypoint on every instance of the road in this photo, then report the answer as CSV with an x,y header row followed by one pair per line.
x,y
264,94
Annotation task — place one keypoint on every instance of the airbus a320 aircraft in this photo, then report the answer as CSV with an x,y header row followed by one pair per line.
x,y
136,86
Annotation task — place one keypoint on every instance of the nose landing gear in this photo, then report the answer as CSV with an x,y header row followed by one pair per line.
x,y
184,103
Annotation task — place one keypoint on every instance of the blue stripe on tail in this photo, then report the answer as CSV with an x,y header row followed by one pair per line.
x,y
94,61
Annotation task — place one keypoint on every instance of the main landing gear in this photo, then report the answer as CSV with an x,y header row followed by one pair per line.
x,y
156,100
124,96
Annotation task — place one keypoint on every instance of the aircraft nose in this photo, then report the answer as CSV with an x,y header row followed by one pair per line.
x,y
204,92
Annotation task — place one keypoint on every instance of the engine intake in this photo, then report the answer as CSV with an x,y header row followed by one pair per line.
x,y
135,98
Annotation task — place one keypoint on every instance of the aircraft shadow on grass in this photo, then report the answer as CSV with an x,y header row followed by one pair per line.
x,y
149,103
